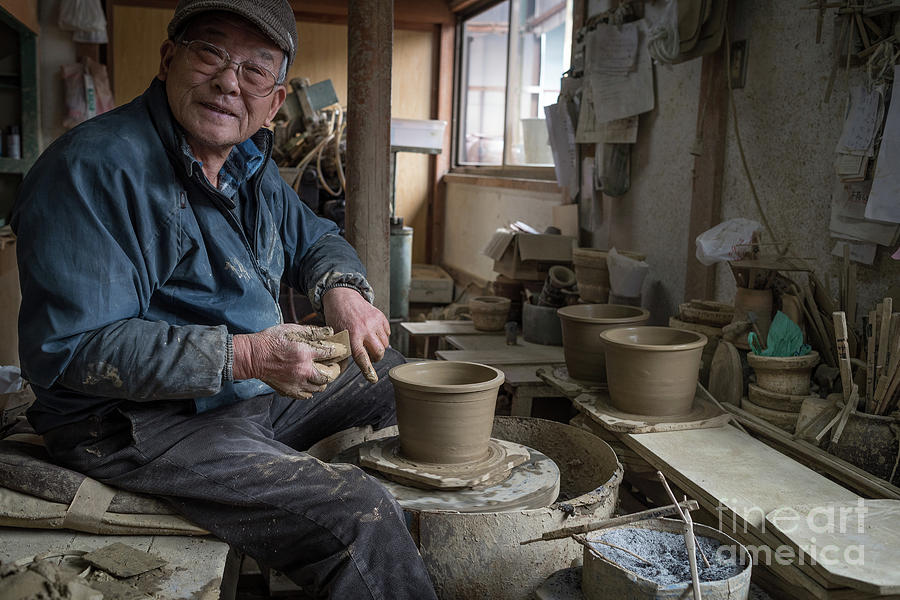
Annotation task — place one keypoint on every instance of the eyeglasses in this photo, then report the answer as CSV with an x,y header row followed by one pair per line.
x,y
209,59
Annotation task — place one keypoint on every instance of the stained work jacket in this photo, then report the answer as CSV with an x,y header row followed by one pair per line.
x,y
135,270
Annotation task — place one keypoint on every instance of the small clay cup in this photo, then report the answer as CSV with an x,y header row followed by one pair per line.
x,y
489,313
445,410
784,374
652,370
581,327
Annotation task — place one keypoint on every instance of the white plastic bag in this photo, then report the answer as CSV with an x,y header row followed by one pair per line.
x,y
626,275
85,18
723,241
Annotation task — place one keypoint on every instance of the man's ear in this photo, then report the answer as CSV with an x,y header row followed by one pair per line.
x,y
166,54
278,97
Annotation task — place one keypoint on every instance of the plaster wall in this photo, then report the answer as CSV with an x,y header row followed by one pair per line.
x,y
474,213
55,49
789,134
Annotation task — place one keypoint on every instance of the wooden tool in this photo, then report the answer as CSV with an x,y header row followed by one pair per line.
x,y
689,539
870,362
843,352
652,513
884,335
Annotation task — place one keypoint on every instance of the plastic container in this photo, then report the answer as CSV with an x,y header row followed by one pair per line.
x,y
419,134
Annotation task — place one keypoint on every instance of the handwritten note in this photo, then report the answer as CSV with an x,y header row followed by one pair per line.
x,y
611,50
617,95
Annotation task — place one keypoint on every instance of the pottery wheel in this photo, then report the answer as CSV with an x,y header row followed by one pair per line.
x,y
531,484
385,457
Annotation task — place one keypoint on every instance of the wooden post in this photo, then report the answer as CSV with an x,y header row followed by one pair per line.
x,y
370,45
442,109
706,196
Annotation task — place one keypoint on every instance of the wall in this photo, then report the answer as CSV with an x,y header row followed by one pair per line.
x,y
55,49
474,212
789,134
322,54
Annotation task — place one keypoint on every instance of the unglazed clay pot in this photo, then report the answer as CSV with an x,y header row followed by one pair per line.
x,y
581,327
445,410
489,313
784,374
652,370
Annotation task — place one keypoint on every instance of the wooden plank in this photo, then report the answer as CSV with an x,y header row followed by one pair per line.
x,y
490,342
513,356
24,11
442,109
10,299
706,193
849,475
430,328
854,543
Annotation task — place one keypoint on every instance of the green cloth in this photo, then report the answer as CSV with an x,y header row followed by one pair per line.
x,y
785,339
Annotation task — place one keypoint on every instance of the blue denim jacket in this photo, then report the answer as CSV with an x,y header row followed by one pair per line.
x,y
135,271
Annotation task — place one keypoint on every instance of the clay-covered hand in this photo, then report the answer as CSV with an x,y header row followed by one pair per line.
x,y
284,357
369,330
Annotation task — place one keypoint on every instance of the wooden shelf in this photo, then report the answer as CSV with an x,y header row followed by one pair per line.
x,y
14,166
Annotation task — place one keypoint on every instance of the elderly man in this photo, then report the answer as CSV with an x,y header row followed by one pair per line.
x,y
152,242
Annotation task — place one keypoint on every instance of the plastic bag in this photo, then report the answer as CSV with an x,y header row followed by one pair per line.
x,y
85,18
721,242
87,91
626,275
785,338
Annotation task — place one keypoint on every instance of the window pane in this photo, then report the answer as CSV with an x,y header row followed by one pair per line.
x,y
485,40
538,58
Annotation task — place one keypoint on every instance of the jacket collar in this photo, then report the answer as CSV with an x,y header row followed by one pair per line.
x,y
171,134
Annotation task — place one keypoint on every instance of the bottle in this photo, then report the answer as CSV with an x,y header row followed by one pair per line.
x,y
13,143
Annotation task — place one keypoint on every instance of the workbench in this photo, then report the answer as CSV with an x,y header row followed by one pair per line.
x,y
519,363
434,331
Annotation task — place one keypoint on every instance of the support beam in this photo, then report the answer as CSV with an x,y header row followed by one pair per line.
x,y
441,109
370,46
706,197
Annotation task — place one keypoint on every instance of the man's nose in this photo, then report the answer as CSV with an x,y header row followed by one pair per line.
x,y
226,80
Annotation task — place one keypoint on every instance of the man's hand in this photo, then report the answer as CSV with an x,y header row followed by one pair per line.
x,y
284,357
369,330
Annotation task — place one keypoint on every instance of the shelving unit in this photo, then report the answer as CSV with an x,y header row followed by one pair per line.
x,y
18,101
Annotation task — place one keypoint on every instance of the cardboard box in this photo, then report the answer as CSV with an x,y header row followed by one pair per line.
x,y
528,256
430,283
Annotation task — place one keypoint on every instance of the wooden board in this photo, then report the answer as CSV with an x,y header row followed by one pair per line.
x,y
855,543
488,342
726,376
442,328
703,414
735,472
512,355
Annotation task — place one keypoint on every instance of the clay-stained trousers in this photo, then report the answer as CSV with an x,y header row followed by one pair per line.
x,y
237,472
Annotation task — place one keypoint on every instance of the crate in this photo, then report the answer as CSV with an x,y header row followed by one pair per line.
x,y
430,284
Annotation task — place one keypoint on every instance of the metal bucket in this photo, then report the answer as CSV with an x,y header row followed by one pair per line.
x,y
606,580
401,270
478,555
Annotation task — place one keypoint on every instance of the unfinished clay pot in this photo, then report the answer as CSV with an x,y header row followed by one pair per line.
x,y
581,327
489,313
445,410
784,374
782,419
652,370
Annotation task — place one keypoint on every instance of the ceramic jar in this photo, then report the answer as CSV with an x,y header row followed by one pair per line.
x,y
581,328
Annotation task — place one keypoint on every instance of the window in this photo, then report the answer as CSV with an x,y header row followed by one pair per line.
x,y
508,74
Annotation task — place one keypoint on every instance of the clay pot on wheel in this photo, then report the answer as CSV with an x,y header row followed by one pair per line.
x,y
784,374
652,370
445,410
489,313
581,327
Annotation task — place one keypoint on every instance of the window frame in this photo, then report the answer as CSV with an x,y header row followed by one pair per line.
x,y
504,170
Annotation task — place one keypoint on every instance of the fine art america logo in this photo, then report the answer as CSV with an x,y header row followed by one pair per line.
x,y
814,530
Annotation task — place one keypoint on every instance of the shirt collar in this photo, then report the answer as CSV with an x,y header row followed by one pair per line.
x,y
242,163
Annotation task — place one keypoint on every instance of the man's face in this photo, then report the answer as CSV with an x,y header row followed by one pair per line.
x,y
213,110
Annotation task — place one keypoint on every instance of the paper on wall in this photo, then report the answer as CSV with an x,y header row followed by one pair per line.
x,y
844,225
611,50
617,95
884,199
620,131
861,123
562,145
861,252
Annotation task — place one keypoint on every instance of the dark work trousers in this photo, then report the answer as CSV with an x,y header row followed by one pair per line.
x,y
238,472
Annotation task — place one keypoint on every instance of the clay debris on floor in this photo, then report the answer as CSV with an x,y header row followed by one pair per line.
x,y
85,576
